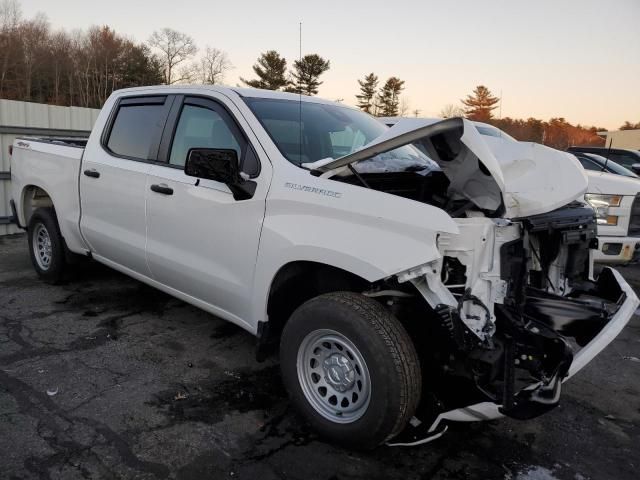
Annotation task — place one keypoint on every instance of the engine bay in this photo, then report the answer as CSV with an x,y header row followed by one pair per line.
x,y
431,188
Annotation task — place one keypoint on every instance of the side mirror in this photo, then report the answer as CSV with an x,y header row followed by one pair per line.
x,y
216,164
220,165
635,167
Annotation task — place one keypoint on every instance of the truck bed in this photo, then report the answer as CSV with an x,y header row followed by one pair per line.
x,y
54,165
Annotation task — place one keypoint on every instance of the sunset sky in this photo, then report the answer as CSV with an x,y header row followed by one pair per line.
x,y
578,59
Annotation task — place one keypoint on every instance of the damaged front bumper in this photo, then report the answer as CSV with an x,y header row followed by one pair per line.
x,y
592,316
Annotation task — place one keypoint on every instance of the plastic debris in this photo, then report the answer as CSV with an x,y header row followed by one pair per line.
x,y
53,391
180,396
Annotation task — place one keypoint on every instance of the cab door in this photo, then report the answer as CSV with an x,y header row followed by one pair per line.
x,y
113,180
201,241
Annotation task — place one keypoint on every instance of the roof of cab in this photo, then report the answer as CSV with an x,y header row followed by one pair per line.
x,y
242,92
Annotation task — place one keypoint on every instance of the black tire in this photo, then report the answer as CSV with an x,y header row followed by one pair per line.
x,y
55,269
387,350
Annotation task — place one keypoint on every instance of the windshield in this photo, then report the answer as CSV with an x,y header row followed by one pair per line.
x,y
612,166
330,131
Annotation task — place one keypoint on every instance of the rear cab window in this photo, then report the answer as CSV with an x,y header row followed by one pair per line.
x,y
136,127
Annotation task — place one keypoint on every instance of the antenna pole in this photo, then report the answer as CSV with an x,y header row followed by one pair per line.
x,y
604,169
300,92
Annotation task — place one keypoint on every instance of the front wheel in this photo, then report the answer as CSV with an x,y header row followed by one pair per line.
x,y
350,368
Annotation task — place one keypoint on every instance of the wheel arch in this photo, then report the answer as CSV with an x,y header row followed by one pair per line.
x,y
298,281
31,198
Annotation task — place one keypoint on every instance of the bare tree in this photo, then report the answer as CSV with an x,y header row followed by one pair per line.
x,y
10,13
175,48
10,16
214,64
404,107
60,46
33,36
450,110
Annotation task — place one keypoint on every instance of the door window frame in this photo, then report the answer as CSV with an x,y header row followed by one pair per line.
x,y
171,126
166,101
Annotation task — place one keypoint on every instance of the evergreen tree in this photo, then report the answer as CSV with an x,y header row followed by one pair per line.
x,y
629,126
270,69
480,104
306,74
366,99
389,97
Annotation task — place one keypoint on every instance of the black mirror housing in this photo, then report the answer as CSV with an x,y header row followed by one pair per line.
x,y
218,164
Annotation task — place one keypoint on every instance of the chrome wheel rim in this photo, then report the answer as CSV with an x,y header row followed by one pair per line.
x,y
42,247
334,376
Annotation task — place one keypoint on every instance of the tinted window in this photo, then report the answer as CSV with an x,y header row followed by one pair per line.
x,y
200,127
134,130
624,159
588,164
612,166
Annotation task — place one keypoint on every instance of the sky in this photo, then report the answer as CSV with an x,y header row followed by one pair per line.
x,y
577,59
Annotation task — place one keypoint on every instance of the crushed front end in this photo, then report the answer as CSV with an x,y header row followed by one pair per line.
x,y
516,313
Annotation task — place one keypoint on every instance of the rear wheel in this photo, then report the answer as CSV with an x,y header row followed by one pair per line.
x,y
46,245
350,368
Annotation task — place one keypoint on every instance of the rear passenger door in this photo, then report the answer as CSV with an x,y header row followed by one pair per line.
x,y
113,181
200,240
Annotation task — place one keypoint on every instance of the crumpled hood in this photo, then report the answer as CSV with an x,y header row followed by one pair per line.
x,y
527,178
537,178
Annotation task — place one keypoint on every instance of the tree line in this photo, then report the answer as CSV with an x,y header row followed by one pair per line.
x,y
82,68
557,132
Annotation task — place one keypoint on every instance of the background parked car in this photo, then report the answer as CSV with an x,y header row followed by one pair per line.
x,y
627,158
598,163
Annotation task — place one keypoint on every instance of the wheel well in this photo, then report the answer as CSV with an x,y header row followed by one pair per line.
x,y
297,282
34,197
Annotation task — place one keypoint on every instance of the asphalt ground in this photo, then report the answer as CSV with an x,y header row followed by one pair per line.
x,y
104,377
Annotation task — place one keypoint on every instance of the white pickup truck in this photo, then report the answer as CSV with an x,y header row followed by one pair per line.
x,y
616,199
409,275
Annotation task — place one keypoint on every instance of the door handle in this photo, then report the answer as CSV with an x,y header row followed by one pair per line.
x,y
162,188
93,173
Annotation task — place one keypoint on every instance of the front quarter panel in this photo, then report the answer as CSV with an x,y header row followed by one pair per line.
x,y
369,233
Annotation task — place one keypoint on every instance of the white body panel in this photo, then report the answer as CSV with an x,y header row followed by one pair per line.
x,y
113,220
315,219
54,169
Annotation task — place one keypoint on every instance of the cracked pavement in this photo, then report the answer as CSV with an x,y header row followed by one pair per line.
x,y
104,377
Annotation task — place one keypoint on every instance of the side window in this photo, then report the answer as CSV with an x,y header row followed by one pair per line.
x,y
588,164
201,127
622,159
135,129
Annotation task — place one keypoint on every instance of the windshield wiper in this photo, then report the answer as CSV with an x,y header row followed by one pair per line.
x,y
358,176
